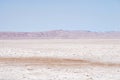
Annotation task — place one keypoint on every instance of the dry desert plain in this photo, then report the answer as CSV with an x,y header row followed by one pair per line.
x,y
60,59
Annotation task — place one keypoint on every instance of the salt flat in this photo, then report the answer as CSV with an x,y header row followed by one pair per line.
x,y
60,59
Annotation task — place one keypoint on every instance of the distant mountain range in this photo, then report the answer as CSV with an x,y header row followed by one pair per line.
x,y
60,34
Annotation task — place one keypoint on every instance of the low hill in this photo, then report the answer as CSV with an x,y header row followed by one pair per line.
x,y
60,34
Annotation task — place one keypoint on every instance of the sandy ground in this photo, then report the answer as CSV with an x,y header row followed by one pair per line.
x,y
56,59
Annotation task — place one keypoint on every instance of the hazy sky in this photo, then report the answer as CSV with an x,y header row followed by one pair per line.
x,y
40,15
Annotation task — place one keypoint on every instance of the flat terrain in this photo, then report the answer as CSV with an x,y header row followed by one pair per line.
x,y
60,59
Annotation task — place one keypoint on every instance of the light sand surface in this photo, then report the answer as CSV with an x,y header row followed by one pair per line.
x,y
60,59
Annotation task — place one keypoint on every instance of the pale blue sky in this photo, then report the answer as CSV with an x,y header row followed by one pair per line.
x,y
42,15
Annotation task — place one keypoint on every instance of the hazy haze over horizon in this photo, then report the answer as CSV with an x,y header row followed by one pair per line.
x,y
45,15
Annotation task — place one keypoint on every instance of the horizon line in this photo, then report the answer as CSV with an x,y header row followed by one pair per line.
x,y
63,30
